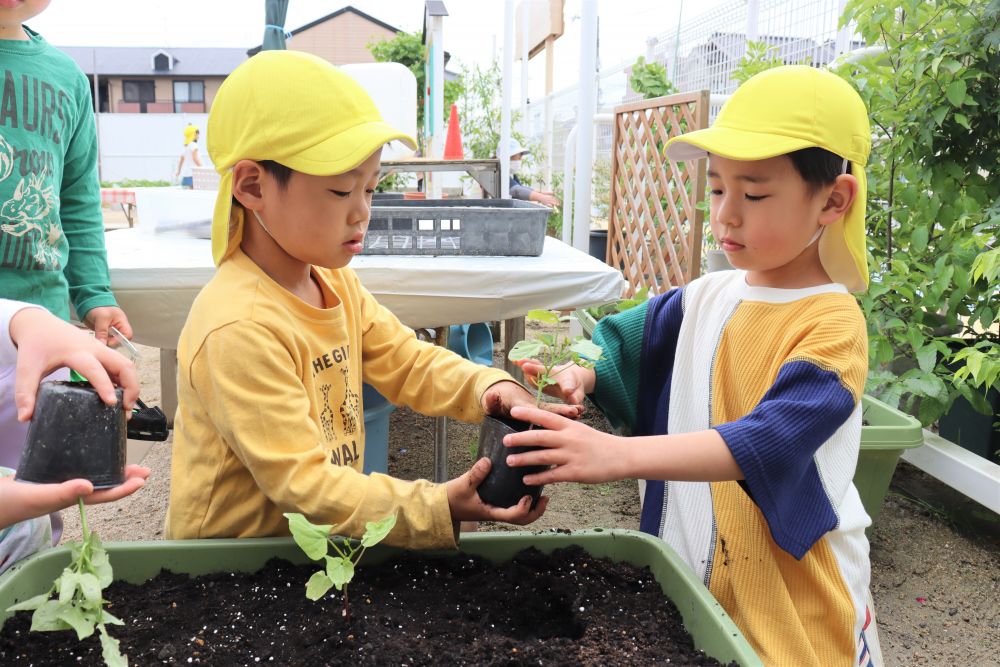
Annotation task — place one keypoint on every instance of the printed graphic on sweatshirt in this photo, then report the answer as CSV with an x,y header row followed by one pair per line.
x,y
33,123
326,415
351,407
340,424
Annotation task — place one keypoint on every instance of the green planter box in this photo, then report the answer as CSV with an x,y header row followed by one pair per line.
x,y
712,629
586,321
887,433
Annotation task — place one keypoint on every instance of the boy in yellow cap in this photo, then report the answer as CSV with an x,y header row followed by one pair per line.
x,y
742,389
272,356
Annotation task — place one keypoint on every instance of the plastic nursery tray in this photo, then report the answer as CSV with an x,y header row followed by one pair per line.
x,y
504,227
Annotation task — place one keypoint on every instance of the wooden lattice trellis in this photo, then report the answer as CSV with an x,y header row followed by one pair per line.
x,y
654,234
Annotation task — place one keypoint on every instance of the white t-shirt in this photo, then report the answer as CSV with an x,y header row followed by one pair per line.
x,y
188,164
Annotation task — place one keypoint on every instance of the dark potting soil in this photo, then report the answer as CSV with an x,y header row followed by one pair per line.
x,y
565,609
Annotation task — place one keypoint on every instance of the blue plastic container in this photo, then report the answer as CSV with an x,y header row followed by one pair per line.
x,y
472,341
377,410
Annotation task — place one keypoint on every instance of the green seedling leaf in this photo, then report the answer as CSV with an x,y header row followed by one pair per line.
x,y
310,537
544,381
587,349
110,619
67,586
546,316
111,652
30,604
101,565
375,531
318,585
47,618
90,587
340,570
526,349
75,618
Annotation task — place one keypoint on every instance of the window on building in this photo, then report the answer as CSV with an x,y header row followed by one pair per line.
x,y
161,62
138,91
186,92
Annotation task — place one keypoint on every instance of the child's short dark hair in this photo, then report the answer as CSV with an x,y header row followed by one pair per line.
x,y
279,172
818,166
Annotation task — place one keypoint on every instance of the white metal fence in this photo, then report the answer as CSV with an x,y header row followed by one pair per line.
x,y
702,53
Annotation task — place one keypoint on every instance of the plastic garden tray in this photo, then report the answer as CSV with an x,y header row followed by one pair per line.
x,y
886,433
711,628
504,227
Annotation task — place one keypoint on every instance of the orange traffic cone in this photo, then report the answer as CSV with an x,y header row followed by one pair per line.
x,y
453,142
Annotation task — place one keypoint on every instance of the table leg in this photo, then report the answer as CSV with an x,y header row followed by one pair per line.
x,y
129,211
513,331
168,384
441,425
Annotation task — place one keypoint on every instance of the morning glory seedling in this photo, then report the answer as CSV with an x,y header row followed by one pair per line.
x,y
314,540
80,605
554,350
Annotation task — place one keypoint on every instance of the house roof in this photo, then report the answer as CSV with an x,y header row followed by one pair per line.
x,y
138,60
335,14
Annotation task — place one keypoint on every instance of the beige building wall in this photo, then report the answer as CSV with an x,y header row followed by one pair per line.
x,y
341,40
164,88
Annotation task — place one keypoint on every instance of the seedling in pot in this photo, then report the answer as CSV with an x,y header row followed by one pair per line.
x,y
553,351
314,541
79,605
504,486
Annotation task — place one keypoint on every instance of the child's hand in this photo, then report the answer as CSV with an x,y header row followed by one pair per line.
x,y
501,397
572,381
101,318
576,452
45,343
20,501
465,504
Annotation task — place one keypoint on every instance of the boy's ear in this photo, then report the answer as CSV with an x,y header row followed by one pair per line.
x,y
247,178
840,198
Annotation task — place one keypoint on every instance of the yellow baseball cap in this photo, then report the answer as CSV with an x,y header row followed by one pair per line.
x,y
295,109
786,109
189,133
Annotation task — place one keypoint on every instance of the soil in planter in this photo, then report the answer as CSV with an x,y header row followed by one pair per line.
x,y
565,609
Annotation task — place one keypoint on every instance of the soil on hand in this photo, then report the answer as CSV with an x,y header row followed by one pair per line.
x,y
563,609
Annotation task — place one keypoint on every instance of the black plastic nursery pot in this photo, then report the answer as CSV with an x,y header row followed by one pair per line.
x,y
505,486
74,435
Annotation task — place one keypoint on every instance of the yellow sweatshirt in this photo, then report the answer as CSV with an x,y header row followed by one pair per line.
x,y
270,417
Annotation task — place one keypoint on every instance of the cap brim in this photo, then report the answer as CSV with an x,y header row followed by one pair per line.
x,y
346,150
733,144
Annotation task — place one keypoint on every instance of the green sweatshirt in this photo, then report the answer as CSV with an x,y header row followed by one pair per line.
x,y
51,227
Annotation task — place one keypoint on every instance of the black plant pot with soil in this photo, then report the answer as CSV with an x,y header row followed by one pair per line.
x,y
74,435
505,486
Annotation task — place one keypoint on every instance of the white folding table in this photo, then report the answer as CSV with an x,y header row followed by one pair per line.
x,y
156,276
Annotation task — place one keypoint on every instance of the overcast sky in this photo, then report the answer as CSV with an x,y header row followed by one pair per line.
x,y
472,30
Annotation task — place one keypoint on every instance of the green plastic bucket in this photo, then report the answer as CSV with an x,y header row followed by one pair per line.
x,y
886,433
711,628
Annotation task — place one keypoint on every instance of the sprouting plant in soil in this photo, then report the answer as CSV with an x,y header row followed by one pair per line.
x,y
80,604
554,351
315,539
